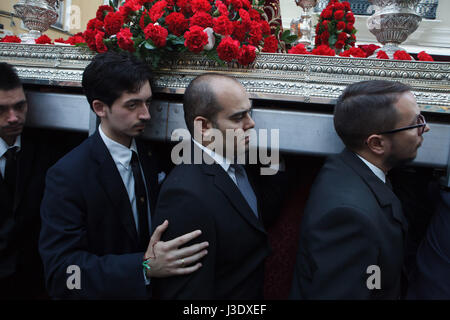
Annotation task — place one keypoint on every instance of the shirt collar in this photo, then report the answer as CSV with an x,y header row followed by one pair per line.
x,y
377,171
120,153
4,146
219,159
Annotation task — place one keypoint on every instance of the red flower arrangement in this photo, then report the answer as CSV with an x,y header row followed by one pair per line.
x,y
335,27
226,30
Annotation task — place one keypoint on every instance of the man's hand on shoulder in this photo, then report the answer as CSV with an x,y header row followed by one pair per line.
x,y
165,258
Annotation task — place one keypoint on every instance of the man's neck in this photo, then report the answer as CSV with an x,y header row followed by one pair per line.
x,y
9,140
373,159
122,139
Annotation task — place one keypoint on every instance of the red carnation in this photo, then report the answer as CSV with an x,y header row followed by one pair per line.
x,y
265,27
247,55
423,56
201,19
254,15
113,22
11,39
327,13
200,5
144,20
347,5
185,6
223,26
102,11
323,50
223,9
89,36
325,36
44,39
402,55
270,44
239,31
246,4
255,35
340,25
237,4
124,40
78,38
195,39
350,17
94,24
100,45
382,55
177,23
338,15
228,49
354,52
342,36
368,49
349,27
245,17
59,40
298,49
339,44
157,34
157,11
339,6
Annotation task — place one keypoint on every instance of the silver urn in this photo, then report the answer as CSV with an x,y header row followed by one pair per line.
x,y
302,27
392,22
37,16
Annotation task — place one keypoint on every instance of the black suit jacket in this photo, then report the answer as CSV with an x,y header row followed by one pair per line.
x,y
87,221
431,277
19,229
352,220
203,196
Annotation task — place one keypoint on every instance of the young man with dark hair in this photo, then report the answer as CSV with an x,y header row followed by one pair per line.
x,y
352,234
25,156
227,201
99,199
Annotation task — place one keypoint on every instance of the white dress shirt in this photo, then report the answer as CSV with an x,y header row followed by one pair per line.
x,y
122,158
5,147
219,159
377,171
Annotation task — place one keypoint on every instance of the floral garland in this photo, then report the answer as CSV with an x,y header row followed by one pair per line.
x,y
335,27
227,30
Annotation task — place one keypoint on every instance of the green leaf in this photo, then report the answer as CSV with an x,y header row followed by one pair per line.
x,y
148,45
332,40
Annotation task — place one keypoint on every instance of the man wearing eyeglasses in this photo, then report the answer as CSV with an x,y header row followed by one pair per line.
x,y
352,236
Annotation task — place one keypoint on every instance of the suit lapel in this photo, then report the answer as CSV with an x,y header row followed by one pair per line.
x,y
112,183
149,167
226,185
25,163
385,196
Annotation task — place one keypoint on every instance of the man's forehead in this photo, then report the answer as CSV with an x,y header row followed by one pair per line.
x,y
11,96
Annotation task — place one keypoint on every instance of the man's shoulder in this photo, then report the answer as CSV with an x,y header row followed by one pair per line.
x,y
76,159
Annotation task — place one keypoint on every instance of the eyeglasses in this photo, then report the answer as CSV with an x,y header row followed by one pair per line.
x,y
421,125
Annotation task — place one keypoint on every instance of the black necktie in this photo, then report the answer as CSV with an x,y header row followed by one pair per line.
x,y
11,170
141,202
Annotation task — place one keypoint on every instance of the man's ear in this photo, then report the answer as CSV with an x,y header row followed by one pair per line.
x,y
202,124
99,108
377,144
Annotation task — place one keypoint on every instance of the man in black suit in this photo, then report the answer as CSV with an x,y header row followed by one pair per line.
x,y
352,235
217,196
430,278
99,199
25,156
